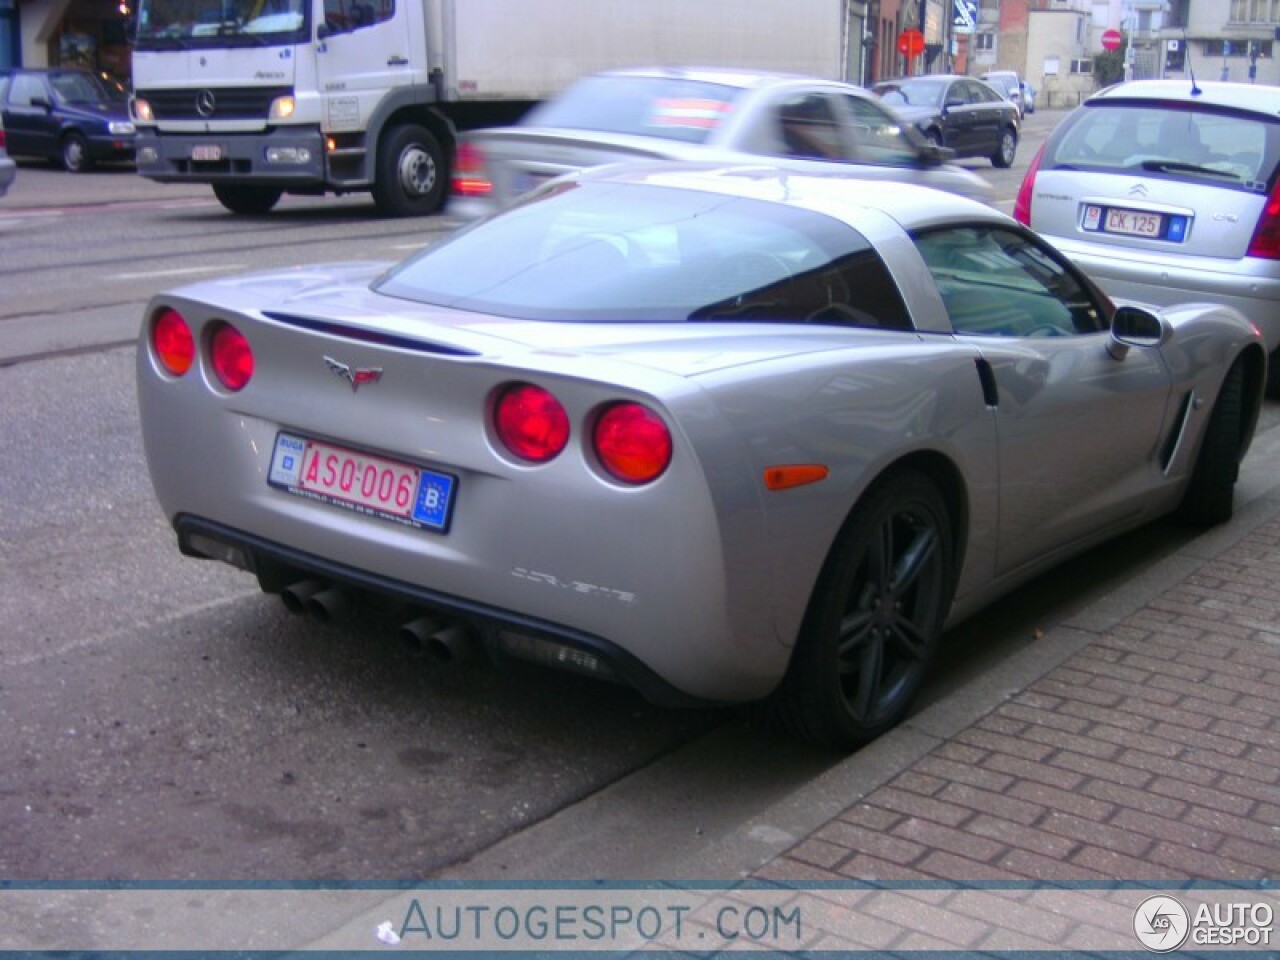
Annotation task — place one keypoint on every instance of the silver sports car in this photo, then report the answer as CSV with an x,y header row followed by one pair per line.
x,y
720,433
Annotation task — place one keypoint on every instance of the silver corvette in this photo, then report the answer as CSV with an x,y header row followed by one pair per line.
x,y
723,434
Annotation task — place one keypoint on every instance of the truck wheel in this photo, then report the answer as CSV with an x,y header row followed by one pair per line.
x,y
410,176
239,198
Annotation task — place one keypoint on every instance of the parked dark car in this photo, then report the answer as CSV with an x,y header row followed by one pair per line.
x,y
964,114
75,118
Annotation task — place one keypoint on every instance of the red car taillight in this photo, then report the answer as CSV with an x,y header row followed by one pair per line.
x,y
173,343
469,178
2,143
632,442
1266,235
531,422
1022,205
231,357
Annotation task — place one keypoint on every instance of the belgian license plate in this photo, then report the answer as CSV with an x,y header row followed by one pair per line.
x,y
206,153
366,484
1134,223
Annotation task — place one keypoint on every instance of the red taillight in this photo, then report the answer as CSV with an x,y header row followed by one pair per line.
x,y
1022,205
1266,235
633,443
469,179
531,423
173,343
2,143
231,357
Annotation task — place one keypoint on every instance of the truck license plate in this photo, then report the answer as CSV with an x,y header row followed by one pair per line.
x,y
361,482
206,153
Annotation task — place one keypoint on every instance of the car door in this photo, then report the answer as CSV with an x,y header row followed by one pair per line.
x,y
1078,429
29,123
984,115
957,114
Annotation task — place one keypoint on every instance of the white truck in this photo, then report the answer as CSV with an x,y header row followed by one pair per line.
x,y
264,97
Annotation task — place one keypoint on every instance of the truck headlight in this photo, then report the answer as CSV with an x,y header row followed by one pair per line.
x,y
142,111
282,108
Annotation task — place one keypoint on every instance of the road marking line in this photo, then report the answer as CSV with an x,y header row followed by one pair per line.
x,y
179,272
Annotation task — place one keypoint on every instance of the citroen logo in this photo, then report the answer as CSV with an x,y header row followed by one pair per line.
x,y
206,104
1138,190
352,375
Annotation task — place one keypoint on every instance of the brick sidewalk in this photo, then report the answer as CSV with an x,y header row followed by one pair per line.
x,y
1152,754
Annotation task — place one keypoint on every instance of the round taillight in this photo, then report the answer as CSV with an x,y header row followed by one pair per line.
x,y
231,357
633,443
531,423
173,343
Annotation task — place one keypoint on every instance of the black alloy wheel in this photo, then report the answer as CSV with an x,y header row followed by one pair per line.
x,y
874,622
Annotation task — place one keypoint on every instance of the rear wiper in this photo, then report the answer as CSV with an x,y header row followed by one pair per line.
x,y
1174,166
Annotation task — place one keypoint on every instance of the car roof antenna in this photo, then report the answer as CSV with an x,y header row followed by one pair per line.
x,y
1191,68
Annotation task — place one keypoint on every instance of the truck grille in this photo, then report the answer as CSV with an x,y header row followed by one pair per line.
x,y
213,103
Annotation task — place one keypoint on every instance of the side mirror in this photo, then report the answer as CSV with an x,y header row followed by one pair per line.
x,y
323,30
1136,327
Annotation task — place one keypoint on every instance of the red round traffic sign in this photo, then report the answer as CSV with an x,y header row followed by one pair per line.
x,y
911,43
1111,39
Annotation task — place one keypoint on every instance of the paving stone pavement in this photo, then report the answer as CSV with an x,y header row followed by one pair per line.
x,y
1152,754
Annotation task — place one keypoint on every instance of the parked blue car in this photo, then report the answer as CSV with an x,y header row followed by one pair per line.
x,y
75,118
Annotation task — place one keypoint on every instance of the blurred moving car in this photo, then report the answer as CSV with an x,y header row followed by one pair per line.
x,y
8,169
1167,192
1009,84
720,433
960,113
73,117
1028,98
705,115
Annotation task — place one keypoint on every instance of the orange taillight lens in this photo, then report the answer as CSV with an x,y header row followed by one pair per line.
x,y
173,343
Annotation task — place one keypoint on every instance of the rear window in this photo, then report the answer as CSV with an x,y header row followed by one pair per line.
x,y
1170,141
602,252
667,107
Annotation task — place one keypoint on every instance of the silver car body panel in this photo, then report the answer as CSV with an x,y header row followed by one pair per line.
x,y
704,575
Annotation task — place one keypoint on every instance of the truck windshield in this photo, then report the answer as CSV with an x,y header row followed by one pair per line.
x,y
164,24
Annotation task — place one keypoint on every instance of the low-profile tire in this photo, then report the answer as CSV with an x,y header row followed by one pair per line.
x,y
74,153
246,198
1273,375
411,173
873,623
1210,495
1006,149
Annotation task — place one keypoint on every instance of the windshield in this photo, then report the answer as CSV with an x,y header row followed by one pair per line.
x,y
83,87
605,252
667,107
1171,141
911,93
164,24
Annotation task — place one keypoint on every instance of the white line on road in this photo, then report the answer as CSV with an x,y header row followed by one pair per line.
x,y
179,272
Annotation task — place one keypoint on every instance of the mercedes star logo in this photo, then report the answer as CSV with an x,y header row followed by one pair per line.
x,y
206,103
354,376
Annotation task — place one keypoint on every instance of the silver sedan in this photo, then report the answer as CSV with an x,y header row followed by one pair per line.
x,y
720,433
723,116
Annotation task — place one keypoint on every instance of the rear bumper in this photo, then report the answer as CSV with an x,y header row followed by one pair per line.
x,y
505,634
1250,286
170,157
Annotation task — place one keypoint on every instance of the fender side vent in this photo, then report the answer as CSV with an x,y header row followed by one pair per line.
x,y
1173,442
